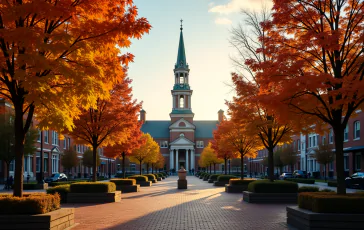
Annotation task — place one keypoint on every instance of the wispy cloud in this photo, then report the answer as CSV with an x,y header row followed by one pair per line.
x,y
223,21
234,6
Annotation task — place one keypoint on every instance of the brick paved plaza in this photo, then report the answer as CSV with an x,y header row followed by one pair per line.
x,y
162,206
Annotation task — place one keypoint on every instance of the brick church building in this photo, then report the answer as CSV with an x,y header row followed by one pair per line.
x,y
181,138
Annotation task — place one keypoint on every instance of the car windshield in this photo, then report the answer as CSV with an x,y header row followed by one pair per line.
x,y
288,174
360,173
55,175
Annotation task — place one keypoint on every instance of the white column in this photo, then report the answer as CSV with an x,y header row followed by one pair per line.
x,y
187,160
171,159
177,168
193,159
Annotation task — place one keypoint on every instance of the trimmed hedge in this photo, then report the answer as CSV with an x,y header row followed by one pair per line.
x,y
92,187
301,180
214,177
239,182
265,186
308,189
29,204
330,202
62,190
160,175
139,178
206,176
222,178
123,181
332,183
150,176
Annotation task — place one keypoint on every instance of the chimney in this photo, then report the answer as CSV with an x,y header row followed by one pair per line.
x,y
220,115
143,116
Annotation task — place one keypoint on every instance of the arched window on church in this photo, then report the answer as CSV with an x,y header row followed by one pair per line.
x,y
181,101
181,80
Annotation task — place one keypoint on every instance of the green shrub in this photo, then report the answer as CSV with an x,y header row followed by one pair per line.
x,y
62,190
265,186
92,187
123,181
139,178
29,204
150,176
238,182
160,175
226,178
330,202
206,176
301,180
156,175
214,177
326,190
332,183
308,189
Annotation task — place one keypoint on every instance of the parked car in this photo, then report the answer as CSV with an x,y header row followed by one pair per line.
x,y
285,176
355,181
299,174
56,177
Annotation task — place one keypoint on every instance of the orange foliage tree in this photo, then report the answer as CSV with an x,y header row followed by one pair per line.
x,y
235,138
52,59
271,127
316,64
159,163
109,122
124,148
220,149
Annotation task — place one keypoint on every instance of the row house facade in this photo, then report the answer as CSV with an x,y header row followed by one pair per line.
x,y
53,148
306,144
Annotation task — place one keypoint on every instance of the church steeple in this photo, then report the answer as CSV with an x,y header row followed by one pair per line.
x,y
181,57
181,92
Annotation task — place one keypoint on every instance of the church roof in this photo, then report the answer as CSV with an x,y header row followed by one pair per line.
x,y
160,129
181,57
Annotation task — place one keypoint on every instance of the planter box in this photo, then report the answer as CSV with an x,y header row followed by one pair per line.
x,y
159,179
221,183
211,181
57,220
280,198
163,177
205,179
144,183
181,184
200,177
107,197
235,188
128,188
154,181
303,219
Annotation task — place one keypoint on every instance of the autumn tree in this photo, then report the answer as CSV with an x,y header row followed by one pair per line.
x,y
7,140
69,159
150,147
159,163
109,122
236,163
53,56
277,158
221,150
235,138
88,159
324,155
209,157
124,148
151,159
270,127
317,64
289,156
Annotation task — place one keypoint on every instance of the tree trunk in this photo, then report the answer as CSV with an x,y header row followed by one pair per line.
x,y
19,149
210,168
242,166
124,172
214,168
141,166
94,163
7,169
225,165
147,168
152,168
339,152
270,165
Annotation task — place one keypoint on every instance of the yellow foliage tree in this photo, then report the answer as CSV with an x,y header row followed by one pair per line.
x,y
145,151
209,157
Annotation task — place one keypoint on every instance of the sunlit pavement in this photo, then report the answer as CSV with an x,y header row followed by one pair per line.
x,y
163,206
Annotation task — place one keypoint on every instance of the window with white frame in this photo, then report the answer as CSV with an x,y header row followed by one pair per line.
x,y
346,163
331,166
78,148
12,166
357,130
331,136
199,144
45,162
181,102
313,141
346,133
46,136
298,145
37,162
294,144
163,144
54,138
358,162
323,140
55,163
39,134
310,142
65,143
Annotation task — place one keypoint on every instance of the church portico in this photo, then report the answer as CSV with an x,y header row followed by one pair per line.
x,y
182,157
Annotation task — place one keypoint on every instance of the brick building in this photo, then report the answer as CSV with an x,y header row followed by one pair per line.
x,y
181,138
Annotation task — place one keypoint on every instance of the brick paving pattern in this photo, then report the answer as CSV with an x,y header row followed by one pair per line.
x,y
164,207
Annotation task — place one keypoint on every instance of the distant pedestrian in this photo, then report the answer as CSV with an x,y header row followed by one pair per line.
x,y
28,178
193,171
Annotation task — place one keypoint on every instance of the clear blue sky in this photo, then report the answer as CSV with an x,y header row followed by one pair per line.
x,y
206,34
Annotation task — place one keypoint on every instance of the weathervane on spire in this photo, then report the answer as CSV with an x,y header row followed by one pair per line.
x,y
181,24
